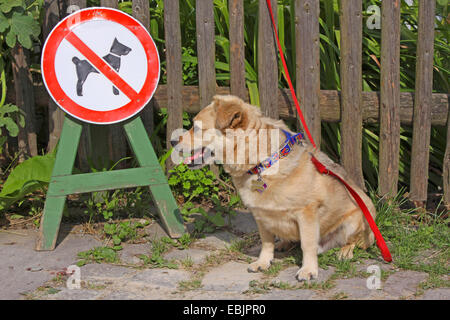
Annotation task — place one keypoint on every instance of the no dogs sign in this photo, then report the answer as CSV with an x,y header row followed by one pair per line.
x,y
100,65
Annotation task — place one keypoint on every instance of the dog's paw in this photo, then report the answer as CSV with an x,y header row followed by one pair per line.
x,y
306,274
346,252
259,266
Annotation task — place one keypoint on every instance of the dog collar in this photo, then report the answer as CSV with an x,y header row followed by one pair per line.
x,y
291,140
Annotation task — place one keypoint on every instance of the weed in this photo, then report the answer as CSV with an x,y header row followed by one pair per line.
x,y
156,259
98,255
190,284
274,269
123,231
339,296
181,243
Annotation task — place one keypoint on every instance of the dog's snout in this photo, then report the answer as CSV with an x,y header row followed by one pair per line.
x,y
174,142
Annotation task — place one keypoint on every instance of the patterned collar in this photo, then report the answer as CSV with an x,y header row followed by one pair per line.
x,y
291,140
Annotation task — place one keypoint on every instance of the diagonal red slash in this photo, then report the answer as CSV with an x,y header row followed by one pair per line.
x,y
102,66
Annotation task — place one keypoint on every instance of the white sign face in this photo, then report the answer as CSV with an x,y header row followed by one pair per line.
x,y
97,92
100,65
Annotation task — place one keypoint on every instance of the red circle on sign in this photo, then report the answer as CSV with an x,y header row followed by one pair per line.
x,y
63,30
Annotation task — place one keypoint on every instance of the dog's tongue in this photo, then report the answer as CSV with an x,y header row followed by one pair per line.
x,y
191,159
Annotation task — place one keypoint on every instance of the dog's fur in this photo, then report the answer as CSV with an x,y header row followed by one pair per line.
x,y
299,202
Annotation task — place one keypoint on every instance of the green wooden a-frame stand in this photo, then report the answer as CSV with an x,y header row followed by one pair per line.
x,y
63,182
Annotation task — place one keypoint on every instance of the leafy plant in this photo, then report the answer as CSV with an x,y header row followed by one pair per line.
x,y
156,259
123,231
31,175
192,184
97,255
17,22
10,119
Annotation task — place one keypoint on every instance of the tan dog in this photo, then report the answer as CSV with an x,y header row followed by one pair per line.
x,y
299,203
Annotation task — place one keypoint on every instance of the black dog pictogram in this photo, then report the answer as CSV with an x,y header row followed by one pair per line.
x,y
84,67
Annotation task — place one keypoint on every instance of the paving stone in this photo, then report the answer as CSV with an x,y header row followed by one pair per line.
x,y
437,294
403,283
232,276
155,231
147,294
197,255
354,288
107,271
130,252
23,269
278,294
363,265
74,294
166,278
218,240
288,275
214,295
244,222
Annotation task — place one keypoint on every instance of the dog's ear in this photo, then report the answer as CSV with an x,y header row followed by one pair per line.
x,y
230,113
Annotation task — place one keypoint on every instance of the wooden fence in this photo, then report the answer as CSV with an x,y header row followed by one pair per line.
x,y
351,106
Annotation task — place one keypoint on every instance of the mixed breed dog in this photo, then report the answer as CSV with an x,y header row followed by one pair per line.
x,y
289,199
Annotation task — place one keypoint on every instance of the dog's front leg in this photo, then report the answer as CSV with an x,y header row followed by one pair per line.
x,y
266,254
308,221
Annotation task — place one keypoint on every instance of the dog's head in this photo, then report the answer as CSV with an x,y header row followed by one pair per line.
x,y
228,131
119,48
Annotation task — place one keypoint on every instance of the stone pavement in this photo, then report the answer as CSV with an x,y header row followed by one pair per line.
x,y
208,269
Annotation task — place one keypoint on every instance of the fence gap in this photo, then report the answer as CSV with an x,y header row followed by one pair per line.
x,y
307,63
422,103
351,83
390,98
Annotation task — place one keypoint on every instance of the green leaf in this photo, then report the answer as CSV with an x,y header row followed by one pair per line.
x,y
116,240
11,126
4,23
11,39
7,5
27,177
217,220
24,26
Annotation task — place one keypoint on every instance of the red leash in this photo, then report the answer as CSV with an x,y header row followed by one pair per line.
x,y
319,166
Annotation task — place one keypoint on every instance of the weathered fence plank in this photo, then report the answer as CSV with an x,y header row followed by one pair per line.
x,y
141,11
172,30
23,83
110,3
267,61
237,53
390,98
351,83
307,63
422,103
206,50
53,12
446,166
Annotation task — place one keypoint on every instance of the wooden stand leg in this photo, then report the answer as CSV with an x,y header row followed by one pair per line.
x,y
162,195
54,205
